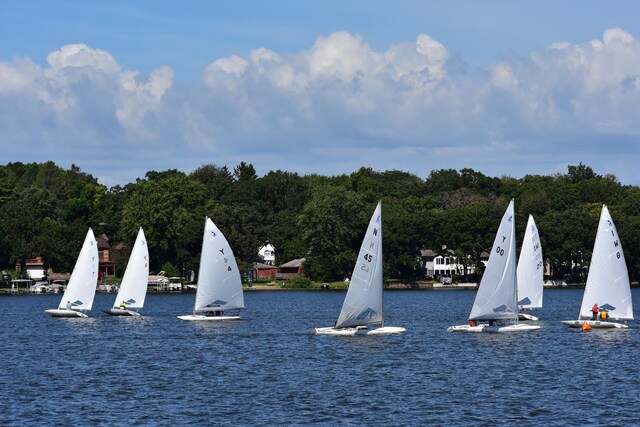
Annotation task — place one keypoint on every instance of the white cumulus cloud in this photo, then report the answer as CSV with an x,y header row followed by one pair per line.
x,y
330,108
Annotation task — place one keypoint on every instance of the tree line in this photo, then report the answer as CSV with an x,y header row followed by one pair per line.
x,y
45,210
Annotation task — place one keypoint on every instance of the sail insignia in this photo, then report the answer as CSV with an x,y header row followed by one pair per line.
x,y
369,313
500,309
216,303
524,301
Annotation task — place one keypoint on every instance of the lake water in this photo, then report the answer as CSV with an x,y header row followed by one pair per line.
x,y
269,370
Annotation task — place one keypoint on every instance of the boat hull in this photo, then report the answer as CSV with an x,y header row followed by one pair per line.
x,y
58,312
200,317
120,312
525,316
595,324
384,330
516,327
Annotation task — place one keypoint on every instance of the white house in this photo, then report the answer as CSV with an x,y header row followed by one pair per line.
x,y
35,268
435,265
268,254
447,264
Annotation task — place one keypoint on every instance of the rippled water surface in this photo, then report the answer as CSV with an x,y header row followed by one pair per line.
x,y
267,369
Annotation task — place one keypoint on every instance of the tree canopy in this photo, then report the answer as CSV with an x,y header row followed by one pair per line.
x,y
45,211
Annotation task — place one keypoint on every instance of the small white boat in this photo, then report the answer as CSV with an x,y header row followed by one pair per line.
x,y
39,288
497,297
219,283
608,280
81,290
595,324
512,327
530,272
362,306
133,288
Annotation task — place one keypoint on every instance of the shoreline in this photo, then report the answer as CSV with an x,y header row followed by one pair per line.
x,y
415,286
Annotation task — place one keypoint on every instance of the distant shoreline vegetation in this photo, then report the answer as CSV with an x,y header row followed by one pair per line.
x,y
45,211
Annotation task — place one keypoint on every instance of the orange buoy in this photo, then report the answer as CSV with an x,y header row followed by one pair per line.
x,y
586,326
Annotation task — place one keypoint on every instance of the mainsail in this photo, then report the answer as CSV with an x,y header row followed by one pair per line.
x,y
81,289
608,279
496,296
133,287
530,268
219,283
363,302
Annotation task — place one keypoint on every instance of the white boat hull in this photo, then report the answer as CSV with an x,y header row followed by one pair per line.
x,y
201,317
120,312
525,316
595,324
58,312
360,330
516,327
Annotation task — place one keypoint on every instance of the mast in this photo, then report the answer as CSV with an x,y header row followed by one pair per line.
x,y
381,265
512,253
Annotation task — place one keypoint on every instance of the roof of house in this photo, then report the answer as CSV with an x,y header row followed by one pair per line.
x,y
261,266
34,261
103,242
59,276
293,263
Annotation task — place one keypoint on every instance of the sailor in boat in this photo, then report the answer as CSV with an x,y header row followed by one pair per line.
x,y
69,306
604,314
594,311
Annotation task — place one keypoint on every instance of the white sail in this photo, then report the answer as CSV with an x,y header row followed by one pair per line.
x,y
530,268
496,296
133,288
608,279
219,283
82,285
363,303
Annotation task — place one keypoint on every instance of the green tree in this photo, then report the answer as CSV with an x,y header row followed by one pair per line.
x,y
333,223
171,209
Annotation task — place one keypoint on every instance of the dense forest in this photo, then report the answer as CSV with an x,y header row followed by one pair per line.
x,y
45,211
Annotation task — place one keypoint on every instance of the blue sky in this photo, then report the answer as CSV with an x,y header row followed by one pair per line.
x,y
507,88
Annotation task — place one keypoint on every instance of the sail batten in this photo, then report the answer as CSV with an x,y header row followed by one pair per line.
x,y
608,278
363,302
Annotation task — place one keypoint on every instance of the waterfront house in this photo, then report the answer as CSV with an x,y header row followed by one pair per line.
x,y
35,268
291,268
437,265
446,264
267,254
106,265
264,271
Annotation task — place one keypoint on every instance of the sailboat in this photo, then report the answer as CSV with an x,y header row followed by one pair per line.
x,y
133,288
78,297
362,306
496,300
608,280
219,284
530,272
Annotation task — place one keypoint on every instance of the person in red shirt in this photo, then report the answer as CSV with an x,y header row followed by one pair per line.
x,y
594,311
